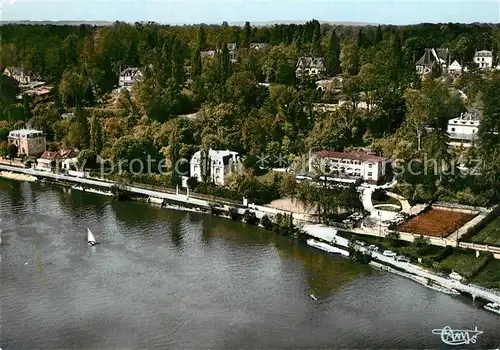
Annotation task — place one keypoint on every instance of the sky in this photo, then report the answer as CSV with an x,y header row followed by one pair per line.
x,y
217,11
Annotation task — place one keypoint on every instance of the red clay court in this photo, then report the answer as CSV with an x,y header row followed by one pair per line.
x,y
436,223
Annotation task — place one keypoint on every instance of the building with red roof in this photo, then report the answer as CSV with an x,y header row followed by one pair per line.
x,y
353,165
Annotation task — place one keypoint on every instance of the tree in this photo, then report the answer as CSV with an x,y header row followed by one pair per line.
x,y
393,238
4,148
12,151
333,55
74,88
202,40
378,35
489,139
9,89
417,105
87,159
421,244
136,155
96,141
196,67
349,58
247,33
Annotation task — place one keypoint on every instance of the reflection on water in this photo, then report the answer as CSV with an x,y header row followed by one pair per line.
x,y
169,279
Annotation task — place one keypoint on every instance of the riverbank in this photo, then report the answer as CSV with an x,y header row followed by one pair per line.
x,y
329,235
17,177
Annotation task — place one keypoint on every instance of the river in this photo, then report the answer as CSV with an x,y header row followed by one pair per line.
x,y
176,280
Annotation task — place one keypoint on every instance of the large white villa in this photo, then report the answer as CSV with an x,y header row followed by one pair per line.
x,y
221,164
463,129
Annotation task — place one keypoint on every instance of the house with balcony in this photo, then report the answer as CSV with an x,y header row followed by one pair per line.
x,y
219,165
484,59
350,166
130,76
29,142
463,130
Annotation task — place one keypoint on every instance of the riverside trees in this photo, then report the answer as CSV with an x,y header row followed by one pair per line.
x,y
235,111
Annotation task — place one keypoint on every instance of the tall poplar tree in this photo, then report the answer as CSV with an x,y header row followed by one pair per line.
x,y
333,55
96,141
247,34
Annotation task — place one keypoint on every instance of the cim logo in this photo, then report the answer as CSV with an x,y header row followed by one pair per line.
x,y
458,336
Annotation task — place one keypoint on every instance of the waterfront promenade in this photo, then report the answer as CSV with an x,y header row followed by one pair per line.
x,y
182,199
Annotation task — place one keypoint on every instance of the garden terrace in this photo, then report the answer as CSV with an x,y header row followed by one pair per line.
x,y
489,235
436,222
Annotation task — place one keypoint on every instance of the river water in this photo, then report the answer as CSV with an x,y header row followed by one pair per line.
x,y
169,279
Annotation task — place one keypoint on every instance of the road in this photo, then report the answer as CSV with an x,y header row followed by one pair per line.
x,y
441,280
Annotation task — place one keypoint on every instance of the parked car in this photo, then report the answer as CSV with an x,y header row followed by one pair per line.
x,y
455,276
389,253
373,247
402,258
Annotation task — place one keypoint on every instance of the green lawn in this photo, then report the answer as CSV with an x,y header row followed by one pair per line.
x,y
490,234
489,276
466,264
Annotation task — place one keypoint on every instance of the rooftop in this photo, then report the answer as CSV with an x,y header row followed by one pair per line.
x,y
484,53
305,62
362,157
25,133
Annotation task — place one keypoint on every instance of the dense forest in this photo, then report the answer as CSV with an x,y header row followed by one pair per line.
x,y
233,111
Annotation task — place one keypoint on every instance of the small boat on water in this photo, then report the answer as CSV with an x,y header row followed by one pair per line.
x,y
313,297
90,238
493,307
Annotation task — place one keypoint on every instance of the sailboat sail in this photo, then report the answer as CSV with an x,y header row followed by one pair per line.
x,y
90,236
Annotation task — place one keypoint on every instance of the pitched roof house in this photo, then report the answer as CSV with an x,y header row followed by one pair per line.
x,y
19,74
129,76
455,68
433,61
222,163
310,66
258,46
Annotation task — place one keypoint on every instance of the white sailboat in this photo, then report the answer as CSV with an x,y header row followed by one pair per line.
x,y
90,237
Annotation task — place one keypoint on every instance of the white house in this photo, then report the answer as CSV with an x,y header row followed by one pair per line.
x,y
47,160
455,68
18,74
463,129
310,66
130,76
343,165
483,59
221,164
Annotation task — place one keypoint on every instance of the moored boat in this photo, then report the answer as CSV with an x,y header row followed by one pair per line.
x,y
326,247
493,307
